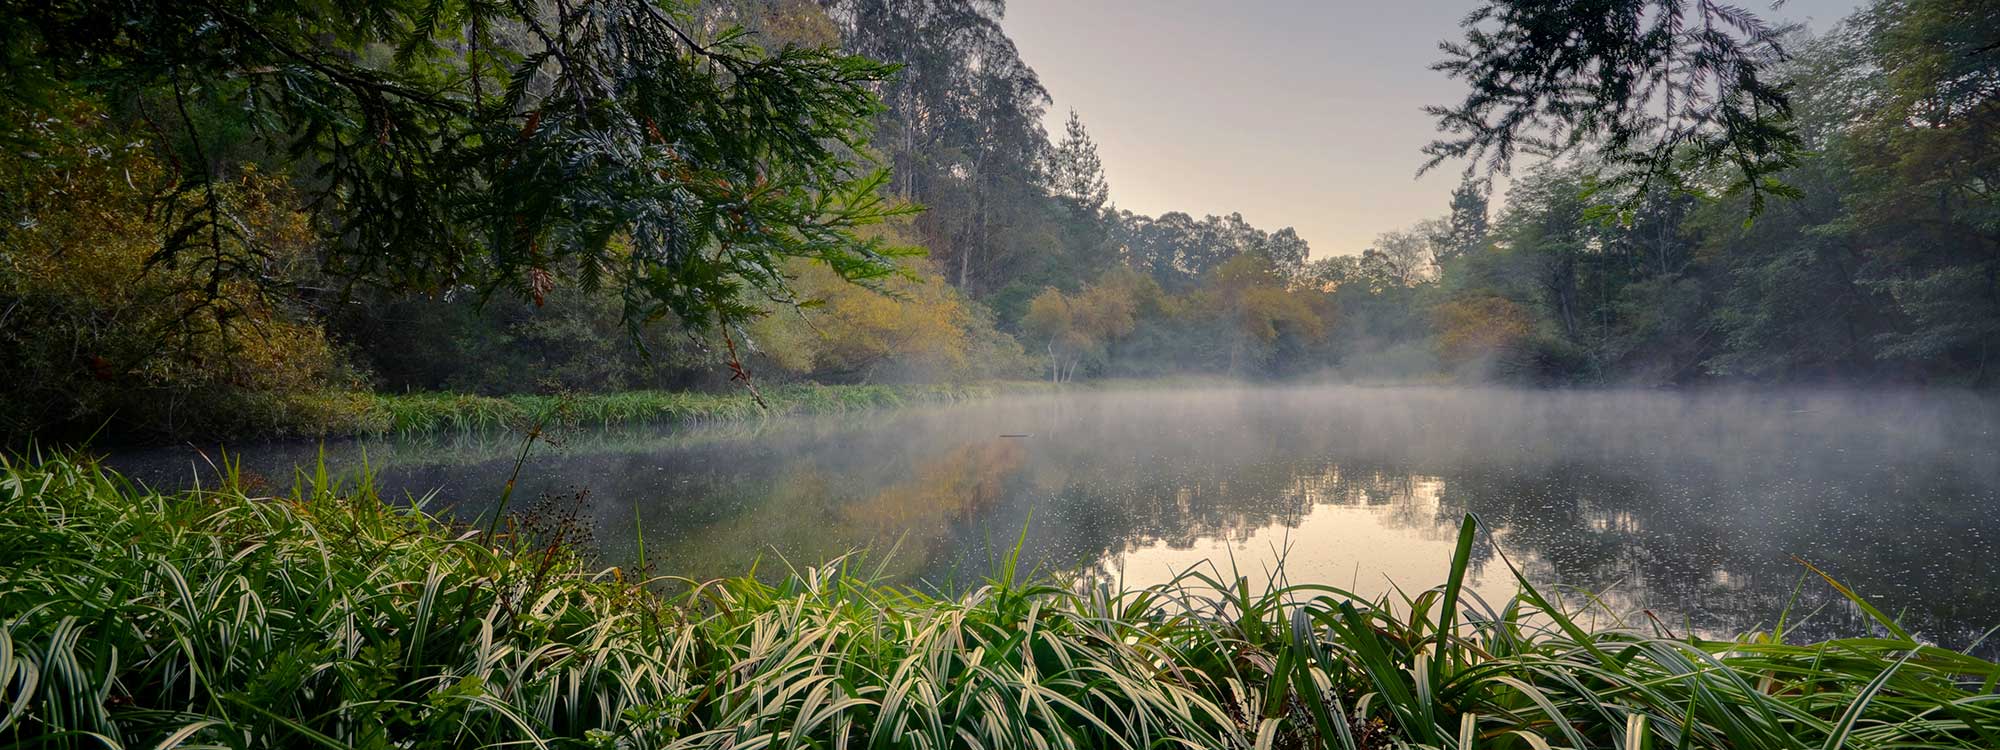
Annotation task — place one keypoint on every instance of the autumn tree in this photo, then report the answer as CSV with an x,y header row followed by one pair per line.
x,y
1262,310
92,328
1075,329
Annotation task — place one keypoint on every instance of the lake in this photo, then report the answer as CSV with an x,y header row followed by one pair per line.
x,y
1695,508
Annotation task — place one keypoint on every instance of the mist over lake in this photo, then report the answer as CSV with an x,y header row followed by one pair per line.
x,y
1690,506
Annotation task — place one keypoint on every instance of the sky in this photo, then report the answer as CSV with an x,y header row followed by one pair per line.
x,y
1293,112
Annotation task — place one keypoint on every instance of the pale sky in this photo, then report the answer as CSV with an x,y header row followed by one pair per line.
x,y
1293,112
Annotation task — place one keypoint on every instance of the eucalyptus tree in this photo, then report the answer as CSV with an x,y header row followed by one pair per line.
x,y
963,130
480,144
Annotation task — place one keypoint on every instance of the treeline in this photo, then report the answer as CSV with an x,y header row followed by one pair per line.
x,y
138,298
1881,265
1871,255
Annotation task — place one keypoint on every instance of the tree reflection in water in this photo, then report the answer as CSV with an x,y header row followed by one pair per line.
x,y
1690,506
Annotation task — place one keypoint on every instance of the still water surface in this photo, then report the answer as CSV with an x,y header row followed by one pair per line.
x,y
1693,507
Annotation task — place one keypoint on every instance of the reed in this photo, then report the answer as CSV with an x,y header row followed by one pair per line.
x,y
451,413
323,616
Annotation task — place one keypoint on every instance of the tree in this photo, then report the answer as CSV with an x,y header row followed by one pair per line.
x,y
93,333
1404,257
1928,155
1328,274
849,333
1075,329
1287,252
1075,174
1668,91
1474,330
1177,250
1464,230
488,145
962,130
1250,293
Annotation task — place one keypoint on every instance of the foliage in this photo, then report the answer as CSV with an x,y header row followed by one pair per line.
x,y
1176,250
1471,329
94,328
479,145
450,413
575,340
1073,328
1075,173
1883,267
916,327
1927,159
1667,90
326,617
962,133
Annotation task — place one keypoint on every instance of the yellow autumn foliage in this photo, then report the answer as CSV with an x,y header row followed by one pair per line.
x,y
93,326
1470,328
913,326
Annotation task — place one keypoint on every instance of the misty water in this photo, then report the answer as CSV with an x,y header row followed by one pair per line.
x,y
1696,508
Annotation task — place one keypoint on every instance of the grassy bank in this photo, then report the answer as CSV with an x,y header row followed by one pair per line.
x,y
431,414
324,617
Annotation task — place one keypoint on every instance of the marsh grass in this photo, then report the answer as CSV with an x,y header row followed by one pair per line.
x,y
324,616
447,413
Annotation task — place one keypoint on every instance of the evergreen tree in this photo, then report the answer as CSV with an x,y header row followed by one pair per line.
x,y
1075,173
485,145
1666,91
1465,227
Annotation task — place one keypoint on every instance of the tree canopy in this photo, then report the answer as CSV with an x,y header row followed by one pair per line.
x,y
479,144
1665,91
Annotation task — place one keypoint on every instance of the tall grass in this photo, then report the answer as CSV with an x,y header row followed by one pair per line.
x,y
325,617
448,413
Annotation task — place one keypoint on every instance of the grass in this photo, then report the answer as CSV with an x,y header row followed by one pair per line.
x,y
334,413
320,616
448,413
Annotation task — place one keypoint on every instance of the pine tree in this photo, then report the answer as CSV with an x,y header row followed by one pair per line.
x,y
1465,228
1075,173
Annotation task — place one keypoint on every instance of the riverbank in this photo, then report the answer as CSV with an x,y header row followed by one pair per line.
x,y
436,413
347,414
323,616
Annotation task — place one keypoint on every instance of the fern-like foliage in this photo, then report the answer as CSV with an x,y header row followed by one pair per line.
x,y
1672,93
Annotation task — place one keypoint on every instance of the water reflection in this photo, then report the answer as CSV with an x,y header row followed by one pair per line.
x,y
1692,507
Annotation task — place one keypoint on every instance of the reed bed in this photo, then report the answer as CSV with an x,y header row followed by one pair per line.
x,y
451,413
322,616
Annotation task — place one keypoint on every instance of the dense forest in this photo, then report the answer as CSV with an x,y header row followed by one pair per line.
x,y
167,259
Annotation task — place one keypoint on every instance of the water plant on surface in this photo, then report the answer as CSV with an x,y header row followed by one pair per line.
x,y
325,617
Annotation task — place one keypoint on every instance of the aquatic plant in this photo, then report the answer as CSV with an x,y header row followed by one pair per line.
x,y
323,616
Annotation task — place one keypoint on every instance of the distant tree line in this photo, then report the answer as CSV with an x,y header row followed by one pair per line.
x,y
1805,210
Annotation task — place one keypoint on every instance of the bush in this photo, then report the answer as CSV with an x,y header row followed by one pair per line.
x,y
94,330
